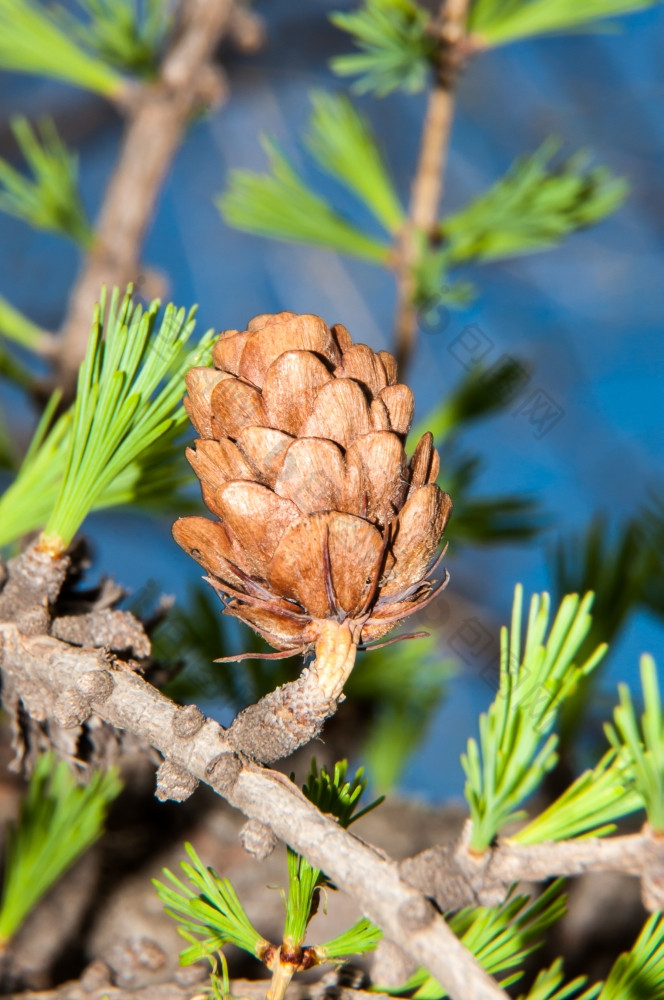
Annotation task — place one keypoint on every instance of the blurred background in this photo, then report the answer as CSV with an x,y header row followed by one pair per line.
x,y
582,438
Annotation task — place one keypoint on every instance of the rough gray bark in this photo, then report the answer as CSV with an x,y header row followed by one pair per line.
x,y
59,677
67,686
456,877
95,985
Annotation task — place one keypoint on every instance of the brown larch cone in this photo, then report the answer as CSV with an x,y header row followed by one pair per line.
x,y
323,533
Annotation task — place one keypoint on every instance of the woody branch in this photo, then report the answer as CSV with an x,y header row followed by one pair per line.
x,y
158,115
428,182
66,684
70,683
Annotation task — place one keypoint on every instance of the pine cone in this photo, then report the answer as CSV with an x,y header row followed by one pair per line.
x,y
320,518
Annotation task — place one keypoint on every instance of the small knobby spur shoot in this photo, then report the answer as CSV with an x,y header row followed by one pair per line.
x,y
59,819
117,442
516,748
325,535
211,916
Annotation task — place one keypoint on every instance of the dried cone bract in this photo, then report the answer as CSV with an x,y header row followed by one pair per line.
x,y
319,517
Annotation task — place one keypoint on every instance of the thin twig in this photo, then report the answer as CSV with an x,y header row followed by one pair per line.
x,y
152,137
48,345
427,188
456,876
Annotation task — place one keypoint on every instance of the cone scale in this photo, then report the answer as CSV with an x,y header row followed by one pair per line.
x,y
323,534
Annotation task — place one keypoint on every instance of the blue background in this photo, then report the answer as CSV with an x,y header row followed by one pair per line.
x,y
586,315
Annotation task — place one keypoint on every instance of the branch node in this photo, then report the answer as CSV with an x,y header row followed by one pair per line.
x,y
436,873
391,965
454,51
257,839
223,771
652,878
95,976
479,870
652,892
187,721
247,30
417,913
71,709
174,782
106,628
34,580
96,685
294,714
211,86
282,721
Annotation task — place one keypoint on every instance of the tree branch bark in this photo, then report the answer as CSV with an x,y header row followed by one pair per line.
x,y
427,187
456,877
70,683
152,137
62,686
86,989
